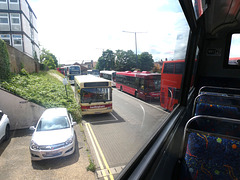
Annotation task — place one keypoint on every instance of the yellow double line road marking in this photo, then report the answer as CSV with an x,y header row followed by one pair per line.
x,y
97,149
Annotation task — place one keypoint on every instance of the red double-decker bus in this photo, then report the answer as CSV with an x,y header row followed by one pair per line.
x,y
171,79
143,85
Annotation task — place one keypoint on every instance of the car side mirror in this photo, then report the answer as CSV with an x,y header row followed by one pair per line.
x,y
32,128
74,123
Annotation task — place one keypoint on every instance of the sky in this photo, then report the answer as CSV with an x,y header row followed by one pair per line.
x,y
77,30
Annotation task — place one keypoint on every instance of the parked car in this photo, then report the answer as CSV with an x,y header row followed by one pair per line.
x,y
4,126
53,135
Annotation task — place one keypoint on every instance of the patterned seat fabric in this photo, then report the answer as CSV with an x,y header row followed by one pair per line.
x,y
217,110
211,157
219,106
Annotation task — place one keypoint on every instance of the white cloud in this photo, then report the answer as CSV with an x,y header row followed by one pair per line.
x,y
79,30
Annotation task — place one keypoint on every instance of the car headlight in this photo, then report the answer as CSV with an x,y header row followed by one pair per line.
x,y
34,145
69,141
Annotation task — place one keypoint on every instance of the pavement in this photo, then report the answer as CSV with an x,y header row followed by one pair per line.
x,y
15,160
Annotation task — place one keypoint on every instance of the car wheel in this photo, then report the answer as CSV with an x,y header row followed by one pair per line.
x,y
7,132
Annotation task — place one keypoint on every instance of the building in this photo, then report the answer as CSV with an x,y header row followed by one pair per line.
x,y
158,66
83,68
88,65
18,26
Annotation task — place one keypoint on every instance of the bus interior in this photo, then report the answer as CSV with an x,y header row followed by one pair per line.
x,y
193,143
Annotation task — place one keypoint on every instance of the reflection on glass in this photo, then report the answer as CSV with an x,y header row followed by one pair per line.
x,y
54,123
90,95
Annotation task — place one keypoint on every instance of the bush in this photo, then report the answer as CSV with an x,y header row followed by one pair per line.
x,y
43,89
4,61
23,72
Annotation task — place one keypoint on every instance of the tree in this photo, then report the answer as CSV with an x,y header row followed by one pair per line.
x,y
106,61
50,63
125,60
145,61
4,61
50,59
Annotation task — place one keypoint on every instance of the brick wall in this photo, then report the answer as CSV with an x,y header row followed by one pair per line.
x,y
19,59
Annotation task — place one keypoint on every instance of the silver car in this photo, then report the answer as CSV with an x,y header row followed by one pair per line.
x,y
53,136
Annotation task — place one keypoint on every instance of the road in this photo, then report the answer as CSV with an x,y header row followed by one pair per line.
x,y
121,134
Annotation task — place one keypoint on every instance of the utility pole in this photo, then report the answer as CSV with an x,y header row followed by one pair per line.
x,y
135,42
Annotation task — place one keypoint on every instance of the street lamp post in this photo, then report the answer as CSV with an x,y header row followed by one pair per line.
x,y
135,42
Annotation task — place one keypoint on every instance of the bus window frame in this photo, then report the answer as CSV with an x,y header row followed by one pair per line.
x,y
226,64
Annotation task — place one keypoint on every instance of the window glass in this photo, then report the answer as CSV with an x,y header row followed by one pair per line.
x,y
3,18
135,117
13,1
15,18
91,95
179,68
17,40
3,1
173,66
234,57
6,38
53,123
169,68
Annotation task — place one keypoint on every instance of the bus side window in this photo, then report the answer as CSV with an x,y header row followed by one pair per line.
x,y
142,83
179,68
168,68
137,82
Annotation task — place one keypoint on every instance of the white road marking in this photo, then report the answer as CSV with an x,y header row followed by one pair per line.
x,y
141,101
143,115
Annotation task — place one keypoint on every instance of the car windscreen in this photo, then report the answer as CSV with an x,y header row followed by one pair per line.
x,y
53,123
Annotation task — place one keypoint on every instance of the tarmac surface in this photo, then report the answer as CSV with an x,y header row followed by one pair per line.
x,y
15,160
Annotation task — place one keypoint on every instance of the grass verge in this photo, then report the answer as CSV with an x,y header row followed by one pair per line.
x,y
43,89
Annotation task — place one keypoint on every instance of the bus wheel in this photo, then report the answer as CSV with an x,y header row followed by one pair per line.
x,y
136,94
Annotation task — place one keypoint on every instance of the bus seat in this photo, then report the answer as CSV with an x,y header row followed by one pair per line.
x,y
212,151
219,91
217,110
220,106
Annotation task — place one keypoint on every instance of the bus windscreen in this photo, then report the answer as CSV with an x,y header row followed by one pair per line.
x,y
90,95
152,85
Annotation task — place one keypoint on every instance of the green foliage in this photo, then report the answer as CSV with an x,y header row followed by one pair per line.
x,y
106,61
4,61
35,56
45,90
91,166
23,72
48,59
49,63
145,61
126,60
